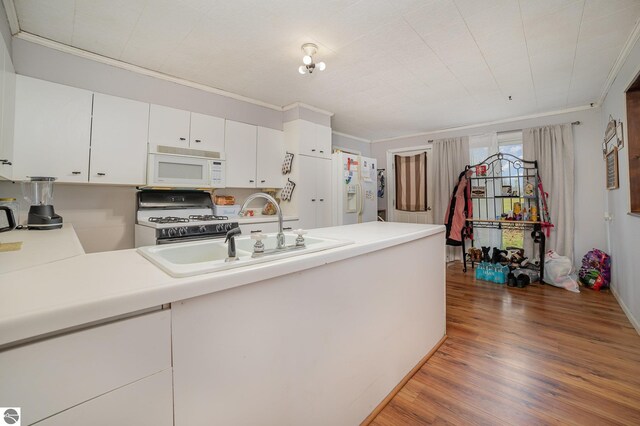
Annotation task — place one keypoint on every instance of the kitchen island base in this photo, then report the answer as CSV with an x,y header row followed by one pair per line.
x,y
321,346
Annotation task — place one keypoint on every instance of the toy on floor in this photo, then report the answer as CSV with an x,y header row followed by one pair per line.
x,y
485,254
475,254
595,271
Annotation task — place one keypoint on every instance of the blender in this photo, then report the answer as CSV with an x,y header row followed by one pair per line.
x,y
38,191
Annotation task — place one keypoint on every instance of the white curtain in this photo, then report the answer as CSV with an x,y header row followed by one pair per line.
x,y
552,148
450,156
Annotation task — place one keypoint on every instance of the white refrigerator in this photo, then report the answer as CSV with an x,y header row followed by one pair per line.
x,y
354,183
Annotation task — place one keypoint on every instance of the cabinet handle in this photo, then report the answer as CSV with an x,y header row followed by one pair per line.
x,y
75,173
101,174
251,181
5,162
262,181
313,199
183,139
313,150
321,199
288,228
256,231
198,140
321,152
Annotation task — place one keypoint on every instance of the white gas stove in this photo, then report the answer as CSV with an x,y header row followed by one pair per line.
x,y
173,216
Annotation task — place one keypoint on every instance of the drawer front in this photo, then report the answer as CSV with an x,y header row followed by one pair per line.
x,y
265,228
147,402
49,376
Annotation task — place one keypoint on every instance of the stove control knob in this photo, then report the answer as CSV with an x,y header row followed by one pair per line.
x,y
182,231
220,227
202,229
171,232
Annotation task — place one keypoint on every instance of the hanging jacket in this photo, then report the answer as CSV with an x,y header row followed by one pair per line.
x,y
460,208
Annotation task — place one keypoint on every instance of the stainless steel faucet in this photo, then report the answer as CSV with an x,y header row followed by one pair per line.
x,y
268,197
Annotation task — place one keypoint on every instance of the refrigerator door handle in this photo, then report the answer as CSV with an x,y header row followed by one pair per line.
x,y
360,199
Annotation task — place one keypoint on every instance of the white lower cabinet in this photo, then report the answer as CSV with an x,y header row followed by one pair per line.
x,y
147,402
267,227
50,376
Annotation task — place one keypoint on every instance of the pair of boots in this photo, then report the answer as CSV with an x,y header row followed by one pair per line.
x,y
520,281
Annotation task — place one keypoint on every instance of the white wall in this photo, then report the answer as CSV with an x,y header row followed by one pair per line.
x,y
103,216
624,229
344,141
589,170
41,62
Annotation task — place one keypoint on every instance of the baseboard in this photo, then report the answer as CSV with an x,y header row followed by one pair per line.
x,y
403,382
634,322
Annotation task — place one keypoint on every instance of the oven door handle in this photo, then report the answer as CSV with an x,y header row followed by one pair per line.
x,y
160,241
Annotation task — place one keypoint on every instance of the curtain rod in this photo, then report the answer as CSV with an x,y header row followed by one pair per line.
x,y
575,123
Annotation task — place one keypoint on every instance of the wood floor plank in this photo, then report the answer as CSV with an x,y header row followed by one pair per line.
x,y
539,355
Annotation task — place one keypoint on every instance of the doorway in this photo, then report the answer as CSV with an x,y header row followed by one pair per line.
x,y
396,215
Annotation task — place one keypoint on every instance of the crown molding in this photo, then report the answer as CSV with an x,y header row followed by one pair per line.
x,y
351,136
12,16
491,123
136,69
620,61
307,106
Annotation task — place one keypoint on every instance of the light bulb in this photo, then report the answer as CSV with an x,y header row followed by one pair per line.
x,y
321,66
302,69
306,59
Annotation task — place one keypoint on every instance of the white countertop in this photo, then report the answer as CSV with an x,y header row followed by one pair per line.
x,y
38,247
93,287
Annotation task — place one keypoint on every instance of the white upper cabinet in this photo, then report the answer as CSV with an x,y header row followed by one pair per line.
x,y
254,156
8,83
119,140
307,138
207,133
183,129
270,155
240,150
52,130
169,126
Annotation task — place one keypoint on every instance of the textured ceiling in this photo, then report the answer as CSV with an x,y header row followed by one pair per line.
x,y
394,67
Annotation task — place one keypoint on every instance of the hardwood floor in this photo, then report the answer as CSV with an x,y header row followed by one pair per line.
x,y
532,356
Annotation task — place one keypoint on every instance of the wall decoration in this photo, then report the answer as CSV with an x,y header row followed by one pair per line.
x,y
612,169
506,191
620,135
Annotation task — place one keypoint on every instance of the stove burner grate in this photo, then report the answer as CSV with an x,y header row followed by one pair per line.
x,y
168,219
207,217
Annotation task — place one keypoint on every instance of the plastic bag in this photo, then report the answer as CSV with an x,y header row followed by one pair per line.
x,y
558,271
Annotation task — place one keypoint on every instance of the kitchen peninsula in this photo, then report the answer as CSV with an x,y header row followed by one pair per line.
x,y
320,338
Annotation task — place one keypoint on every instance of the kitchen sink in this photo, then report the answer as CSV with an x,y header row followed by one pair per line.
x,y
202,257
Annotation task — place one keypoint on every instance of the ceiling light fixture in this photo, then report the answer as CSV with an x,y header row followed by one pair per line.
x,y
310,49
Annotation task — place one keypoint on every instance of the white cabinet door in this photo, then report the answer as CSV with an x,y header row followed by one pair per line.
x,y
52,130
119,140
270,154
240,149
8,115
207,132
323,141
87,363
169,126
305,192
323,193
147,402
264,228
307,137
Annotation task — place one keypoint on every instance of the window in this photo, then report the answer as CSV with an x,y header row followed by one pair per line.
x,y
481,147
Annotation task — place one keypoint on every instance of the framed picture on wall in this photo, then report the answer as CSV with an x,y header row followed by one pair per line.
x,y
612,169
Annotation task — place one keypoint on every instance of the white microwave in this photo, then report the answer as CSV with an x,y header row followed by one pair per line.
x,y
184,171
